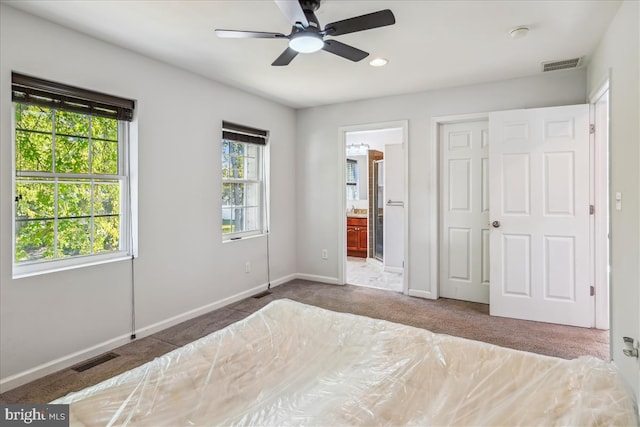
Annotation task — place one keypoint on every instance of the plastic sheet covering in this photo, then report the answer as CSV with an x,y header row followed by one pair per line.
x,y
293,364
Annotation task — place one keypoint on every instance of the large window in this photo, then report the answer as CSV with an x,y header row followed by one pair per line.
x,y
243,184
71,183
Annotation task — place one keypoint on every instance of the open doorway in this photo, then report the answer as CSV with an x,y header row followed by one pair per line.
x,y
374,207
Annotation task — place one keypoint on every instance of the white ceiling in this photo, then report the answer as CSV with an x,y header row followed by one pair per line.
x,y
434,44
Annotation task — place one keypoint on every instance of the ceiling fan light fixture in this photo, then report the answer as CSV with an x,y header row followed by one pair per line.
x,y
306,42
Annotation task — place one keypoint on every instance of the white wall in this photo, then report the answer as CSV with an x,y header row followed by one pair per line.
x,y
182,263
319,153
619,54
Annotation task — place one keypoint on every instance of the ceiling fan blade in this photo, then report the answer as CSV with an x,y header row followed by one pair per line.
x,y
293,11
233,34
285,57
378,19
344,50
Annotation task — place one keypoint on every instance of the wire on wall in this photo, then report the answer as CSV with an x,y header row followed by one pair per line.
x,y
131,242
266,209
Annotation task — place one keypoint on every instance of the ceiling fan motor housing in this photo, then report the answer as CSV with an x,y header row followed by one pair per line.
x,y
311,5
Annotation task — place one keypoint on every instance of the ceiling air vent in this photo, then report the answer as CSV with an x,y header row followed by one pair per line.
x,y
561,65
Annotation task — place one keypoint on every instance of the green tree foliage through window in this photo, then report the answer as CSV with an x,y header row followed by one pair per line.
x,y
241,187
68,184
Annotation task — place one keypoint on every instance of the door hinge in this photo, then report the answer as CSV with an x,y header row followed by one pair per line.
x,y
592,128
592,290
592,209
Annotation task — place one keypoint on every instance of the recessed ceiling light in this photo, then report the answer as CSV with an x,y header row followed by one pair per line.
x,y
518,32
378,62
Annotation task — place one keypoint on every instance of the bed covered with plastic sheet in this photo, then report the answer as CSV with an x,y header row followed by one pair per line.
x,y
294,364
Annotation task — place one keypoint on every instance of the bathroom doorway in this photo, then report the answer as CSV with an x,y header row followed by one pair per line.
x,y
375,206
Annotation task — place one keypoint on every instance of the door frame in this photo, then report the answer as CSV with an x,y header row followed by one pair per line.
x,y
434,194
602,303
342,181
599,197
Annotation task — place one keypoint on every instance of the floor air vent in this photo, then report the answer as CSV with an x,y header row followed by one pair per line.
x,y
94,362
561,65
262,294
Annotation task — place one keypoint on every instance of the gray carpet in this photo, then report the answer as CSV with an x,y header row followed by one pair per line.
x,y
458,318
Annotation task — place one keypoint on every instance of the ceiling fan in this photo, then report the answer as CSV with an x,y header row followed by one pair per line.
x,y
306,35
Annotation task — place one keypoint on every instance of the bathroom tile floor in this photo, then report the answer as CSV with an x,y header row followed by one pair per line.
x,y
370,272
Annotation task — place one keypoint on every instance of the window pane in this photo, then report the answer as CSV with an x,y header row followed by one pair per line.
x,y
74,200
228,191
104,157
226,166
106,234
228,226
33,117
74,237
35,200
106,198
72,155
33,152
238,219
252,195
68,123
251,168
34,240
104,128
237,148
237,167
236,159
251,219
233,194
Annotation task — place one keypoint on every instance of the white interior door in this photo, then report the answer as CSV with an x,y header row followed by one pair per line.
x,y
464,211
393,207
539,184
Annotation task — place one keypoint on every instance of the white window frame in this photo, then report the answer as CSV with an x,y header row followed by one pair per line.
x,y
261,181
30,268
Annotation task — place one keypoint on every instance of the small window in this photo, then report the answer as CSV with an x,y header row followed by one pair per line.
x,y
352,179
243,183
71,181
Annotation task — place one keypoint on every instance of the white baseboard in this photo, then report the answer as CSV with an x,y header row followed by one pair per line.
x,y
284,279
389,269
321,279
64,362
40,371
188,315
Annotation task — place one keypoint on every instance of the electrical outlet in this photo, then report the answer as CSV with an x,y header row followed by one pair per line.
x,y
247,267
325,254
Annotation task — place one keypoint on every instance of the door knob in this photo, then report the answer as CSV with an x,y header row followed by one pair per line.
x,y
495,224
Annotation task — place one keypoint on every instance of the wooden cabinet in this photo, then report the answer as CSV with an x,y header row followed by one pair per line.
x,y
357,237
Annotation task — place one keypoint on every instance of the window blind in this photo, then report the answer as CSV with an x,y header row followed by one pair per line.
x,y
241,133
36,91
